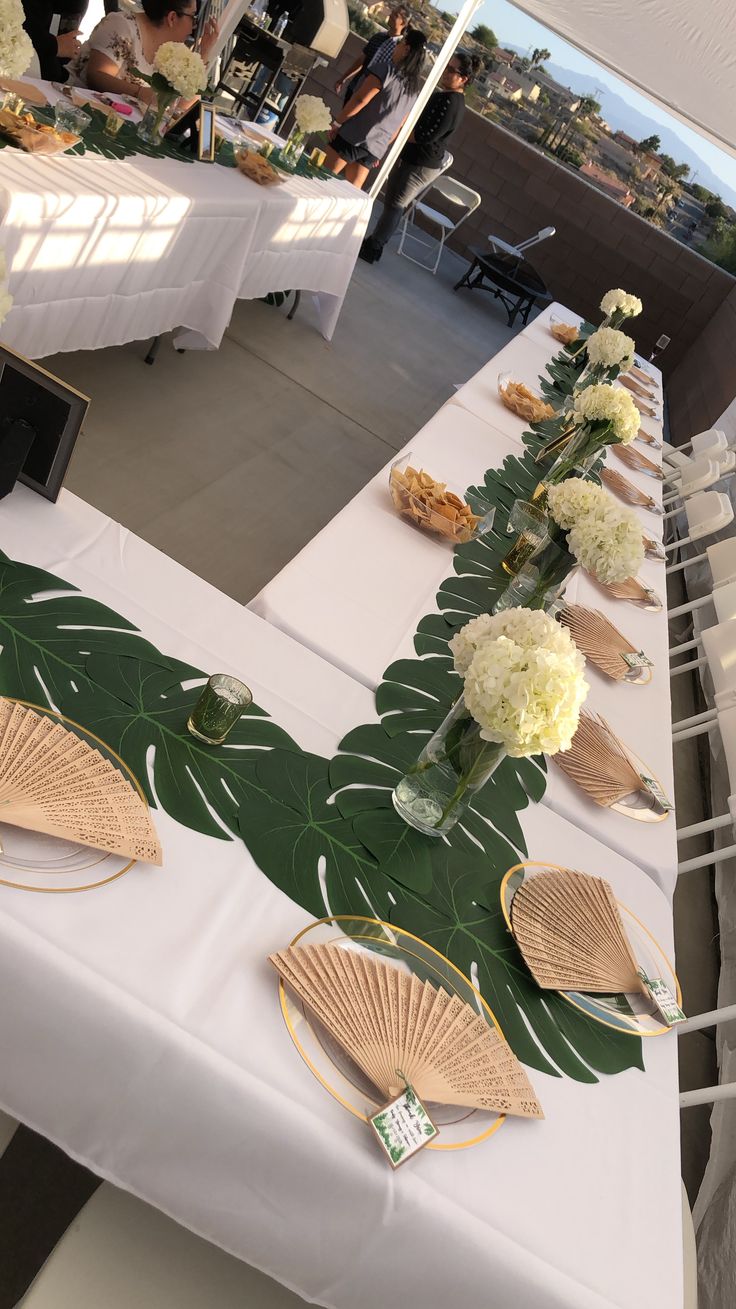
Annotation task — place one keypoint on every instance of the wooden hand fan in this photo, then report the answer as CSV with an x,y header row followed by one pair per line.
x,y
399,1030
569,930
625,490
632,384
633,590
53,781
648,439
599,763
598,639
634,459
652,549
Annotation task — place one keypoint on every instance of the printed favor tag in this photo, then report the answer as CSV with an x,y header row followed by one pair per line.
x,y
655,789
663,998
636,659
403,1126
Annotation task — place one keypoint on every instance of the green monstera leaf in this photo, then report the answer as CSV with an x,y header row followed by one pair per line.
x,y
141,710
47,632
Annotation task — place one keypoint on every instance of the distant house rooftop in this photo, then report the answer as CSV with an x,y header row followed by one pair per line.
x,y
610,185
504,56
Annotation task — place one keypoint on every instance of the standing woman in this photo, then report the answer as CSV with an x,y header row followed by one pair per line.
x,y
421,159
366,126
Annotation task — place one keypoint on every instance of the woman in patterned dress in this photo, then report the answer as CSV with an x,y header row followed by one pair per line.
x,y
124,42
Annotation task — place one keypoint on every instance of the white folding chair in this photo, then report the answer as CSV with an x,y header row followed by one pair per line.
x,y
506,248
711,438
706,513
707,1094
457,194
696,475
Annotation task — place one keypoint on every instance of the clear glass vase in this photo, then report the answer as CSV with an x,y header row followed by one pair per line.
x,y
540,582
454,764
156,119
293,148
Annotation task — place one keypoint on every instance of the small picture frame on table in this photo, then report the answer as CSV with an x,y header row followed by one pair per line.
x,y
55,411
206,144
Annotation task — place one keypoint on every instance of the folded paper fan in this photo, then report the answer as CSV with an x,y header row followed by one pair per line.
x,y
53,781
634,459
635,591
599,763
569,930
625,490
598,639
401,1031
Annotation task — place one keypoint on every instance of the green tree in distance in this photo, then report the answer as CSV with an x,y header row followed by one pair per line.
x,y
485,35
650,145
676,171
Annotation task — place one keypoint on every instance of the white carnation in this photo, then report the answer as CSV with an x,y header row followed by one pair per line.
x,y
574,499
629,306
608,543
524,685
312,115
183,69
604,403
16,50
611,348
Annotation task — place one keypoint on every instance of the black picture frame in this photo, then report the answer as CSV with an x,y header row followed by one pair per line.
x,y
206,134
53,408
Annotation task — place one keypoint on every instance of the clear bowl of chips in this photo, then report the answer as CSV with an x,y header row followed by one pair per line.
x,y
435,507
563,331
521,401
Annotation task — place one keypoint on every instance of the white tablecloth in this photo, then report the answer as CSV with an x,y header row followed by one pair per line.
x,y
104,251
144,1036
357,590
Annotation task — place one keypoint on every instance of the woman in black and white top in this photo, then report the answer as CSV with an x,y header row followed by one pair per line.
x,y
421,159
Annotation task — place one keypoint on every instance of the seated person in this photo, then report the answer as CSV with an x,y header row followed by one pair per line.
x,y
53,51
124,42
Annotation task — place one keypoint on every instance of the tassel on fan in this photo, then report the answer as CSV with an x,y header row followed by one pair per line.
x,y
652,550
598,639
569,930
598,762
634,459
53,781
625,490
399,1030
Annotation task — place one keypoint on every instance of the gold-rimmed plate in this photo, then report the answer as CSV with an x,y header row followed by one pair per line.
x,y
35,861
633,1014
460,1127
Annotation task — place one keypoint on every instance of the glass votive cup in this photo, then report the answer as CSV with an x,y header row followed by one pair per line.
x,y
14,103
266,149
70,118
318,157
113,123
218,708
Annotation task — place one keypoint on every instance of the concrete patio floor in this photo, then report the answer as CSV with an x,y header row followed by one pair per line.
x,y
230,461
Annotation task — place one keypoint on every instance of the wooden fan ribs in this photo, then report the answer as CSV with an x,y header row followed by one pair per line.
x,y
598,639
625,490
599,763
53,781
398,1029
568,927
635,459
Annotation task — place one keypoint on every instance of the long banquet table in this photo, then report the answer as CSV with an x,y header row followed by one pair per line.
x,y
355,593
144,1035
103,251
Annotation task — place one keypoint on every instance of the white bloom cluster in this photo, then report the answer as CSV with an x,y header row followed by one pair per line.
x,y
574,499
183,69
629,306
604,537
16,51
605,403
524,682
6,300
311,114
611,348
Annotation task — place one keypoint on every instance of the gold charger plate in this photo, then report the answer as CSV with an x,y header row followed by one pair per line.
x,y
459,1126
635,1015
63,866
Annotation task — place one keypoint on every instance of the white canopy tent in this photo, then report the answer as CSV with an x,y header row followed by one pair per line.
x,y
680,54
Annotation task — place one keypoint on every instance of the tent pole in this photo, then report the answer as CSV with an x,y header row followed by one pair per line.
x,y
462,22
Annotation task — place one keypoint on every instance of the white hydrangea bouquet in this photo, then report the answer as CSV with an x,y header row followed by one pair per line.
x,y
618,305
605,538
601,415
16,50
311,115
610,352
524,684
178,71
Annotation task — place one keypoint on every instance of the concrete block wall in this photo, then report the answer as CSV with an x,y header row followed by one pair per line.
x,y
598,245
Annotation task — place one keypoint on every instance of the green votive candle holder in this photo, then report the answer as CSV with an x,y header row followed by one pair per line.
x,y
218,708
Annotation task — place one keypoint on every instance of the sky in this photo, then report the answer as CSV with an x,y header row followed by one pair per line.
x,y
515,28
